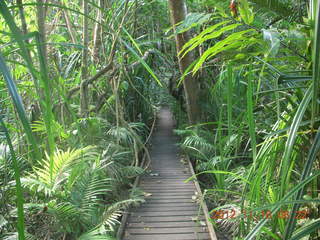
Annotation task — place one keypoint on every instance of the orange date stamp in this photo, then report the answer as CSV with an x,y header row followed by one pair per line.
x,y
264,214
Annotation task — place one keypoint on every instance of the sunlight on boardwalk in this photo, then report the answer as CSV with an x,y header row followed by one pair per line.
x,y
170,212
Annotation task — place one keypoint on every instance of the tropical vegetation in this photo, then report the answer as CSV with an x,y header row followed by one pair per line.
x,y
81,83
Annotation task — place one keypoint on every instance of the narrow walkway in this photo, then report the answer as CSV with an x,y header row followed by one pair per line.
x,y
170,211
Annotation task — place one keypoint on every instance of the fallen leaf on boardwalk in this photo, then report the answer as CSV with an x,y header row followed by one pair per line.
x,y
147,228
147,194
202,223
194,219
159,181
183,161
154,174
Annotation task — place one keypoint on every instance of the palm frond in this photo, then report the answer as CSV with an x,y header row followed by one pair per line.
x,y
278,6
113,213
95,235
85,193
121,134
199,143
42,181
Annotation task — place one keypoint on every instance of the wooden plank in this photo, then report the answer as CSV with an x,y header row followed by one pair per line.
x,y
152,197
165,218
157,230
168,208
164,201
165,194
164,224
150,204
190,191
168,183
182,236
169,187
164,213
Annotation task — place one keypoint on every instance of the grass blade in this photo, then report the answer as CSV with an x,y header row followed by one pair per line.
x,y
291,193
305,230
20,225
306,173
140,59
285,174
12,88
250,116
229,98
316,67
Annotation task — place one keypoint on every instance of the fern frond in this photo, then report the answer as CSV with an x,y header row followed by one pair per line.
x,y
113,213
123,135
95,235
85,195
131,171
199,143
14,236
42,181
58,130
278,6
64,212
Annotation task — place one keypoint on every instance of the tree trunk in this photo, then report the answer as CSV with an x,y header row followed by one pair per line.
x,y
84,105
178,12
22,17
97,32
69,25
41,17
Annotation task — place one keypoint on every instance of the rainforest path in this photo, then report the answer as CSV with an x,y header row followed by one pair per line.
x,y
171,210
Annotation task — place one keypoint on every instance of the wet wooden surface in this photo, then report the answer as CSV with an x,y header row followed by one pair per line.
x,y
171,210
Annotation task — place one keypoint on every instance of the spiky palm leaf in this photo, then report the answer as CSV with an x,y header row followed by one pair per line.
x,y
95,235
279,6
114,211
42,180
85,194
200,144
121,134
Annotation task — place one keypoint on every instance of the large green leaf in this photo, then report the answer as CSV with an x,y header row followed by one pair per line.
x,y
20,199
13,91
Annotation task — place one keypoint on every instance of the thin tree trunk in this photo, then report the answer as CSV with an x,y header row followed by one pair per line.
x,y
178,12
84,69
97,32
22,17
41,18
69,26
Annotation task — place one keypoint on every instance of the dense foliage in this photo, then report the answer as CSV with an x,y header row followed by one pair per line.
x,y
80,84
256,147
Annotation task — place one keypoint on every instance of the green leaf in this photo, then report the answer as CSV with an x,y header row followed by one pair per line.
x,y
19,193
13,91
286,159
293,191
193,20
306,230
205,35
316,67
143,62
234,40
246,12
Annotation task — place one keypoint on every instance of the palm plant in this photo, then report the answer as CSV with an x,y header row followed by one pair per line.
x,y
246,92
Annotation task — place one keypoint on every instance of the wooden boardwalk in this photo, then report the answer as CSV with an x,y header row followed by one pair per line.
x,y
171,210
